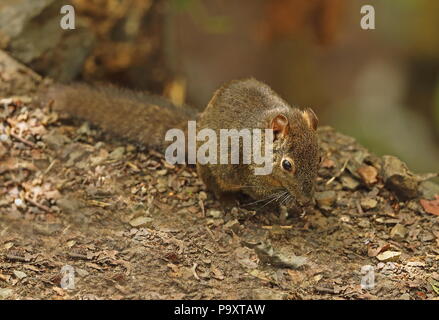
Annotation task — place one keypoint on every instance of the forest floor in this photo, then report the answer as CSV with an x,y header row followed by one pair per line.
x,y
131,226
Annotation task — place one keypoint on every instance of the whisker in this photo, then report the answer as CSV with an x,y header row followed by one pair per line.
x,y
274,198
281,200
287,199
270,197
278,196
254,202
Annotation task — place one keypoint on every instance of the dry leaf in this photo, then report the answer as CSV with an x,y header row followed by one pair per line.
x,y
431,206
368,174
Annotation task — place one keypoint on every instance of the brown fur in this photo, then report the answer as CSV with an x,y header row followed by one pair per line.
x,y
133,115
252,104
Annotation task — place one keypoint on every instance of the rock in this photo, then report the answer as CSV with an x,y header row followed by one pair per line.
x,y
5,293
32,34
16,78
349,182
368,203
399,179
140,221
20,274
368,175
389,256
398,232
325,199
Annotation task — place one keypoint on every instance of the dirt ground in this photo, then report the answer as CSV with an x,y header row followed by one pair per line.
x,y
134,227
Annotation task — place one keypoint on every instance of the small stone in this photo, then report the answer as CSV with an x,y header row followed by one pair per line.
x,y
325,198
348,182
4,138
399,179
19,203
140,221
398,232
368,203
117,154
389,256
368,174
20,274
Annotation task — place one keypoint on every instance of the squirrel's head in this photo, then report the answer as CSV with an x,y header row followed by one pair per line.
x,y
295,153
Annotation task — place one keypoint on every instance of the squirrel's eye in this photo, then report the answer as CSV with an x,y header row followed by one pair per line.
x,y
287,165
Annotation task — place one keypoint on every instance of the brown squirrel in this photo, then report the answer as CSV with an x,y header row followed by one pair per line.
x,y
237,105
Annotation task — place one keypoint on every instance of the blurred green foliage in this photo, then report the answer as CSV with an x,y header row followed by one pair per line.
x,y
197,10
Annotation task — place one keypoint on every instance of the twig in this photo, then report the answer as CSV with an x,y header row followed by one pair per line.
x,y
21,139
39,205
339,173
50,166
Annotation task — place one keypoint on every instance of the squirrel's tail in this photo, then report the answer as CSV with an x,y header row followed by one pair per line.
x,y
133,115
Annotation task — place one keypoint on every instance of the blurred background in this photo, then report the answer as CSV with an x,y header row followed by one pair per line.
x,y
380,86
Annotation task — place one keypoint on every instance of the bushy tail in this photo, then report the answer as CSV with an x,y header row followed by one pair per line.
x,y
136,116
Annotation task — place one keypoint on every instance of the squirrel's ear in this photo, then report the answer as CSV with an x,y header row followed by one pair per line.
x,y
310,118
280,127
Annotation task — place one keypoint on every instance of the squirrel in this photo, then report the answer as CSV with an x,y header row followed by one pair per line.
x,y
238,104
